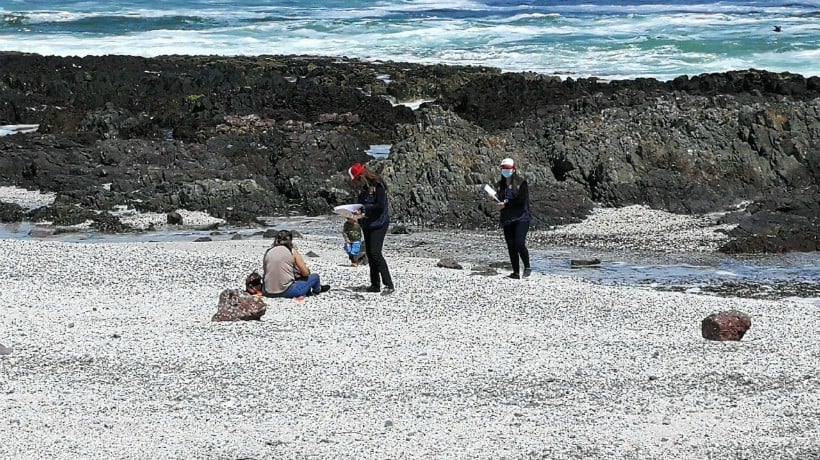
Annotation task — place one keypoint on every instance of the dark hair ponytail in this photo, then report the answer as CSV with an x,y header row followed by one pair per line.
x,y
284,238
517,180
369,179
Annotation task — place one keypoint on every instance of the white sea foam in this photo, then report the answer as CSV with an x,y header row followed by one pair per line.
x,y
529,16
591,39
414,104
56,16
425,5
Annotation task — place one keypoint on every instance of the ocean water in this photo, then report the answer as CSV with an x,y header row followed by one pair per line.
x,y
610,39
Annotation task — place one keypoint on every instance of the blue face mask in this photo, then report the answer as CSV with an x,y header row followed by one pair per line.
x,y
507,173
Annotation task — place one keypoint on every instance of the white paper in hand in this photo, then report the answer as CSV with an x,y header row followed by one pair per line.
x,y
491,191
347,210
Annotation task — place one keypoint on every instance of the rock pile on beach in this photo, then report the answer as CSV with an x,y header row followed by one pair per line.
x,y
242,137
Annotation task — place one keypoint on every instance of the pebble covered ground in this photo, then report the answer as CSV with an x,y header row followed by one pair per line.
x,y
29,199
107,351
145,220
639,228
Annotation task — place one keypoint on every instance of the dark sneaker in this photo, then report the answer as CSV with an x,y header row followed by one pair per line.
x,y
374,289
514,276
324,288
527,272
388,290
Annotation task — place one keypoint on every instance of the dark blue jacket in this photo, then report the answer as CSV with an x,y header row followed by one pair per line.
x,y
518,203
374,199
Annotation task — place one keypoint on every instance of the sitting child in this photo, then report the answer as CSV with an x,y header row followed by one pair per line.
x,y
352,233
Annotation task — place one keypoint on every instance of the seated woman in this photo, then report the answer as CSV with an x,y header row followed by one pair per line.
x,y
285,272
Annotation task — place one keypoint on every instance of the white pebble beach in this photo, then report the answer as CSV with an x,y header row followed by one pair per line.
x,y
107,350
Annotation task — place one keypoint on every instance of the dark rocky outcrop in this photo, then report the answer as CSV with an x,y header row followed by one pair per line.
x,y
10,212
585,263
174,218
242,137
783,220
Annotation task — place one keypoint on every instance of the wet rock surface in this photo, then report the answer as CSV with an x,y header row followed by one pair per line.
x,y
783,220
243,137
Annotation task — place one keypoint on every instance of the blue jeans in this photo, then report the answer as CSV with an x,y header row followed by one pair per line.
x,y
352,249
304,286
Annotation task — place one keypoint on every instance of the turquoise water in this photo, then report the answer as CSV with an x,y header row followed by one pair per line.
x,y
605,38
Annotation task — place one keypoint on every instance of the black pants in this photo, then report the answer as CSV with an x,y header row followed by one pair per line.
x,y
515,234
373,242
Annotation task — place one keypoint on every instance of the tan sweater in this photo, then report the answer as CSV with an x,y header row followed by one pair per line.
x,y
279,266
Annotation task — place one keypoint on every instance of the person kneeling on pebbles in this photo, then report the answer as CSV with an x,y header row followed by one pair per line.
x,y
285,272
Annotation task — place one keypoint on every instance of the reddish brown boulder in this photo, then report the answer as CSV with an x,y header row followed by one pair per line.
x,y
725,325
236,305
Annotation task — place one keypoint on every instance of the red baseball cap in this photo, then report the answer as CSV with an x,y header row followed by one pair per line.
x,y
356,170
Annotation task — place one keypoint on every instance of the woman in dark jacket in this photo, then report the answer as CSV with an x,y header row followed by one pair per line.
x,y
373,198
514,205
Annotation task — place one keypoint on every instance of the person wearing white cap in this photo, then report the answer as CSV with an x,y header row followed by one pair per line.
x,y
514,206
